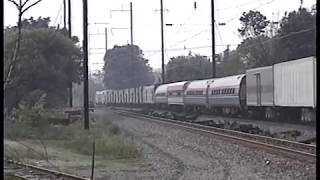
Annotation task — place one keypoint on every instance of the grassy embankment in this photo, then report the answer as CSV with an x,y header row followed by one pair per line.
x,y
48,142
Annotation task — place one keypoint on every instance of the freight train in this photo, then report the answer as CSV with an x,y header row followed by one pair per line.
x,y
285,90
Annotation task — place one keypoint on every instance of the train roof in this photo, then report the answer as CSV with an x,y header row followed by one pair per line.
x,y
229,81
258,69
162,88
199,84
177,86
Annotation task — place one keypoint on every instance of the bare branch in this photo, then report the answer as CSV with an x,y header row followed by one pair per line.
x,y
30,6
24,3
16,4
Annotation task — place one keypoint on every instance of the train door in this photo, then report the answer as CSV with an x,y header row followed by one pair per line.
x,y
243,93
258,88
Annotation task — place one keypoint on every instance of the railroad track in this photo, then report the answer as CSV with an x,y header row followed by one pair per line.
x,y
25,171
274,145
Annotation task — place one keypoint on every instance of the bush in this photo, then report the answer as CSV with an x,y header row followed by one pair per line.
x,y
29,118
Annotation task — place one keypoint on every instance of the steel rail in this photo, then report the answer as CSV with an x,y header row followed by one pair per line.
x,y
57,174
250,139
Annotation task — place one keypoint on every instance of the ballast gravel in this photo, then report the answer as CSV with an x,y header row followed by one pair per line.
x,y
173,153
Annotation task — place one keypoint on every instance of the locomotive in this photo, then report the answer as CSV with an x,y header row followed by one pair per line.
x,y
285,90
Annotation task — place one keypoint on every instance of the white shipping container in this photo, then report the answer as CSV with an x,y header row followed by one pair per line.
x,y
295,83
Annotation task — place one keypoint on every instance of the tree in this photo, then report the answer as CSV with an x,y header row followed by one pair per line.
x,y
48,60
296,37
253,24
255,49
22,7
126,68
231,63
189,68
256,52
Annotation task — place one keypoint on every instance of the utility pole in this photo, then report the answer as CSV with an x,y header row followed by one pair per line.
x,y
106,31
213,41
131,23
131,33
85,64
70,36
162,42
64,15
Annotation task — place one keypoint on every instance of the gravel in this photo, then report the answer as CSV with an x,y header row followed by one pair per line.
x,y
172,153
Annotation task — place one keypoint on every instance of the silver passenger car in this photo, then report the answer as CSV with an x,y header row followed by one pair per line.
x,y
161,94
176,92
196,93
227,92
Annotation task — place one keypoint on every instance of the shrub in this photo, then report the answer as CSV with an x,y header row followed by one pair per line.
x,y
30,118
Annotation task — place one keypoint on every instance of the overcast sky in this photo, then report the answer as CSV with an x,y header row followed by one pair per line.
x,y
191,30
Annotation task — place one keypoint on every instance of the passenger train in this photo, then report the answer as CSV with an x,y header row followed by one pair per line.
x,y
285,90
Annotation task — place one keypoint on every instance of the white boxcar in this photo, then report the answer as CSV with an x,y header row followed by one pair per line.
x,y
125,96
135,95
148,94
116,96
196,92
260,86
131,95
112,97
120,92
161,94
176,92
139,93
108,96
295,83
99,99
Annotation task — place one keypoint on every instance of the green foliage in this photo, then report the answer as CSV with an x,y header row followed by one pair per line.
x,y
32,23
296,37
123,70
30,118
48,61
232,64
189,67
109,142
253,24
256,52
31,110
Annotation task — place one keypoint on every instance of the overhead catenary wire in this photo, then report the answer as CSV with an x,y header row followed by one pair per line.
x,y
153,52
55,20
254,44
182,26
189,38
233,18
239,5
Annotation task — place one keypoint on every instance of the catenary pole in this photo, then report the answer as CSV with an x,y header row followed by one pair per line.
x,y
85,64
106,32
162,43
64,14
70,36
213,41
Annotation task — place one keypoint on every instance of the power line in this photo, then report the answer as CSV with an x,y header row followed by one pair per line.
x,y
154,52
233,18
218,31
181,27
193,36
58,13
240,5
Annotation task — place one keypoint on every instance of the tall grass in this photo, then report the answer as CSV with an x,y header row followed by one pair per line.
x,y
109,142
